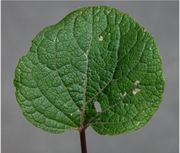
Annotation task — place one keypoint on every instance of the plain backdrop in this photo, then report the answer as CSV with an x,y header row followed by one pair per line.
x,y
21,21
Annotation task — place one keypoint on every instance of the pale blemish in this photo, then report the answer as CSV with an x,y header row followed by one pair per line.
x,y
71,114
125,93
97,107
135,91
101,38
136,82
137,123
85,54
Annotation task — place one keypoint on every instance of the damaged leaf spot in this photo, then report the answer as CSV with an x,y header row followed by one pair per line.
x,y
101,38
125,93
135,91
136,82
98,107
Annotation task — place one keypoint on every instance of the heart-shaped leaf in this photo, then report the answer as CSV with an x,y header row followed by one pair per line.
x,y
95,55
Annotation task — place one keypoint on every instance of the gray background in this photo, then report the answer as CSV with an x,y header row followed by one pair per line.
x,y
22,20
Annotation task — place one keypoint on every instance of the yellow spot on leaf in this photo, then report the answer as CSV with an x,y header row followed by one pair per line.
x,y
136,82
125,93
135,91
101,38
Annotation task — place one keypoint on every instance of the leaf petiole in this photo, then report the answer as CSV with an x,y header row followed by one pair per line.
x,y
83,140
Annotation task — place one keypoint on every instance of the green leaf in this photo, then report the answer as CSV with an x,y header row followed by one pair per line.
x,y
94,55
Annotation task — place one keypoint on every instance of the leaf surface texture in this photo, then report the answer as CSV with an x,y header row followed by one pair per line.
x,y
95,54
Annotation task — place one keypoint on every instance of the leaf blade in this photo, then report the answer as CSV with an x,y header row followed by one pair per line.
x,y
93,54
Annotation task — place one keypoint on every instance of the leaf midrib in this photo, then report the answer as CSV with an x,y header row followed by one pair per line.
x,y
86,79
